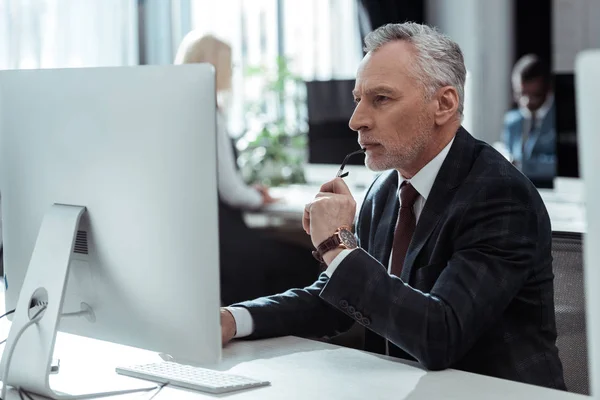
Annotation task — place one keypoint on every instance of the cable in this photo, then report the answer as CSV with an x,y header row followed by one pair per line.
x,y
153,392
23,392
2,316
7,313
156,391
11,351
45,304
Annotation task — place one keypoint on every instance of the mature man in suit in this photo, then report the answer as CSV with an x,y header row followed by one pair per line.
x,y
453,265
530,130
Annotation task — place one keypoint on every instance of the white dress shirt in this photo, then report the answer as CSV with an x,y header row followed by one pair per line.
x,y
232,188
422,182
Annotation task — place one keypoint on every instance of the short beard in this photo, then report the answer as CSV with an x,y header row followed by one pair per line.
x,y
401,157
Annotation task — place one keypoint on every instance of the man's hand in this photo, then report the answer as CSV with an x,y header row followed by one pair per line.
x,y
332,208
228,327
266,196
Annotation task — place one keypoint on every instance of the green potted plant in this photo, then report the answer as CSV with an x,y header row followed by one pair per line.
x,y
273,149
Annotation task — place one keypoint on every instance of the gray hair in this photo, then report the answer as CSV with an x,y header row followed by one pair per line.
x,y
439,61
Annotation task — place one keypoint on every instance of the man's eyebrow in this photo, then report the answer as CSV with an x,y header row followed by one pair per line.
x,y
385,90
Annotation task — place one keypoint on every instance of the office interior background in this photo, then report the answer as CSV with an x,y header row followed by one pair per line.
x,y
295,61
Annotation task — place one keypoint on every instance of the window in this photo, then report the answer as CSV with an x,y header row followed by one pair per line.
x,y
67,33
320,38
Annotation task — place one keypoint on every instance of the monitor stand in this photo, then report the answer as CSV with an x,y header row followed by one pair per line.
x,y
45,281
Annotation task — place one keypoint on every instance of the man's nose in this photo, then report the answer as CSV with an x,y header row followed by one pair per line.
x,y
360,119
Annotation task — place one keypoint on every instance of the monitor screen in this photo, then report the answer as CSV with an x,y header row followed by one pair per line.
x,y
330,106
566,126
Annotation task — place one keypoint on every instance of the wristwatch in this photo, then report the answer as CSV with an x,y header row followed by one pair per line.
x,y
342,237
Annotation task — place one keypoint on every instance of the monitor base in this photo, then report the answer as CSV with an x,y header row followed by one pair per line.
x,y
27,358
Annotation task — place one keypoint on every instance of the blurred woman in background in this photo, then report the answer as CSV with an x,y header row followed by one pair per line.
x,y
252,264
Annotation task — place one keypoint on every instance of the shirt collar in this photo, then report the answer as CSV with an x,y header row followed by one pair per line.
x,y
542,111
424,179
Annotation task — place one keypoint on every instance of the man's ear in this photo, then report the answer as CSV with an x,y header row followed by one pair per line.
x,y
447,104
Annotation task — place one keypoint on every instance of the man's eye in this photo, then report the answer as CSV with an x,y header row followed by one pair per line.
x,y
356,100
380,99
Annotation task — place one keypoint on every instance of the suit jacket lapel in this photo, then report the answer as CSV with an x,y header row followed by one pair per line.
x,y
544,128
517,138
453,171
532,140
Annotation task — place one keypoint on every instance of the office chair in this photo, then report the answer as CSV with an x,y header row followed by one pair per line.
x,y
569,303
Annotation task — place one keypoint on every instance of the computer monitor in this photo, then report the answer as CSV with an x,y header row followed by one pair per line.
x,y
587,77
113,169
330,106
567,155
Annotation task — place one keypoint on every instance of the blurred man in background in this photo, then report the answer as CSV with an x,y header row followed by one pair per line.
x,y
529,131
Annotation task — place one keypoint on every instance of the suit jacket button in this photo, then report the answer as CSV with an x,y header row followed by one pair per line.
x,y
351,310
343,304
358,315
366,321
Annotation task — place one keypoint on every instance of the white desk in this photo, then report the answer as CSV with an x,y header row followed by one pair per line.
x,y
297,369
565,205
306,369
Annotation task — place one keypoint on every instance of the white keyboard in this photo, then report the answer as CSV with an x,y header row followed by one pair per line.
x,y
187,376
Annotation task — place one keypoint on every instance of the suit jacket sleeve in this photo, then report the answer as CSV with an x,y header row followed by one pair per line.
x,y
493,250
299,312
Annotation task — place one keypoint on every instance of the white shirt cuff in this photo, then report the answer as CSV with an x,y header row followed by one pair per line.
x,y
336,261
243,321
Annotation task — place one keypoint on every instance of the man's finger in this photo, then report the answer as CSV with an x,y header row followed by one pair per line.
x,y
306,219
337,186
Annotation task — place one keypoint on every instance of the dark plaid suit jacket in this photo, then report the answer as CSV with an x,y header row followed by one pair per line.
x,y
476,290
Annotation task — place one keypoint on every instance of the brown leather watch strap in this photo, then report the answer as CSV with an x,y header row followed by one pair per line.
x,y
328,244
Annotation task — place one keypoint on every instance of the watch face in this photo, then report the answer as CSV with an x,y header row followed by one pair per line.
x,y
348,239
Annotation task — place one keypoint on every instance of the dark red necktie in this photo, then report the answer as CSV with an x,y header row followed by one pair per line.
x,y
405,227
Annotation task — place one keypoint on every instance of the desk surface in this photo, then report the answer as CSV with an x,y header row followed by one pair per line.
x,y
565,206
297,369
305,369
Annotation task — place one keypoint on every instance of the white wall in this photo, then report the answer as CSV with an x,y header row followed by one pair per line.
x,y
484,31
575,27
